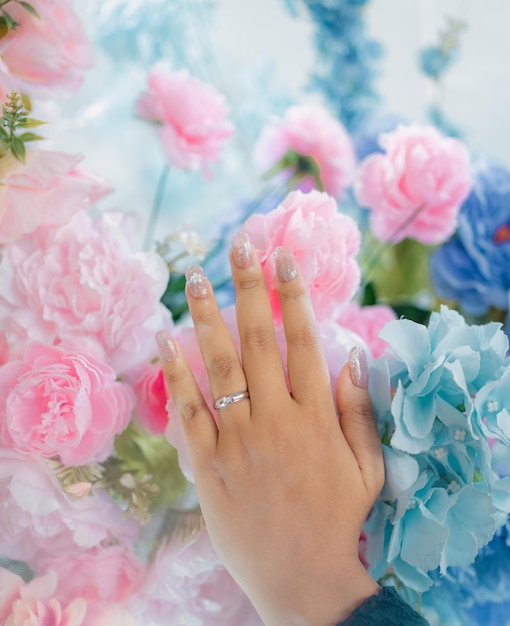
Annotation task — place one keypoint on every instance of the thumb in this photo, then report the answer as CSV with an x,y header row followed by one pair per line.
x,y
357,420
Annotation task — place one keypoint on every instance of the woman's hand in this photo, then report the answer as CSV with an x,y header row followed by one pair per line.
x,y
285,480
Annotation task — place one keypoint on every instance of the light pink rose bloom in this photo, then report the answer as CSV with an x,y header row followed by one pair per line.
x,y
415,189
105,614
102,574
7,82
38,606
39,520
47,55
310,131
191,117
151,395
56,403
324,241
46,191
81,285
367,322
10,584
188,585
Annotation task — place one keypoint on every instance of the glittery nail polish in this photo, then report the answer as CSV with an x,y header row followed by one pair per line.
x,y
242,250
196,281
285,264
166,345
358,367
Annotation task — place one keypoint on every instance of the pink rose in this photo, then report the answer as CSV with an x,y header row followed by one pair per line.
x,y
47,55
80,285
191,117
39,520
417,187
324,243
36,605
187,584
367,322
10,584
151,395
46,191
312,132
56,403
101,574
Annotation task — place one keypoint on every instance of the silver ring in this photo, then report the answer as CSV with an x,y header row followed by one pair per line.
x,y
221,403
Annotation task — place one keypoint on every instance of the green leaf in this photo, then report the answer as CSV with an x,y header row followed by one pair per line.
x,y
30,9
31,122
18,149
369,295
30,137
8,22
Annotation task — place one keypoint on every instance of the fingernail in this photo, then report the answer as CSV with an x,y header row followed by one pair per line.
x,y
196,281
166,345
285,264
358,367
242,250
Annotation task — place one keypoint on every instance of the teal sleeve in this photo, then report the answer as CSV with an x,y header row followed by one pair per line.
x,y
384,609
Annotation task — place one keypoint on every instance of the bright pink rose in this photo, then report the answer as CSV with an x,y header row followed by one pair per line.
x,y
151,395
47,55
56,403
324,243
191,117
46,191
312,132
187,584
417,187
39,520
102,574
37,605
80,285
367,322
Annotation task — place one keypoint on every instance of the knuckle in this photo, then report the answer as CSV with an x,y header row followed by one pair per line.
x,y
258,338
176,375
304,337
292,293
363,414
190,409
222,365
249,282
206,316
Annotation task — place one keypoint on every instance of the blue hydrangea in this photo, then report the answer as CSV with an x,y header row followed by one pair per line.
x,y
434,60
473,268
440,480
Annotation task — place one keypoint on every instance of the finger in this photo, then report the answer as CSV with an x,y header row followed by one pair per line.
x,y
307,368
221,359
260,353
357,420
199,426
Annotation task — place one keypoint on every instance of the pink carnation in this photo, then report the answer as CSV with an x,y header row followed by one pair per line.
x,y
47,55
39,520
103,574
46,191
187,584
191,117
312,132
367,322
81,286
324,243
151,396
415,189
56,403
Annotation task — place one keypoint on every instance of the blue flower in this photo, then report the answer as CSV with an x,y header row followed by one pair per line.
x,y
434,60
473,268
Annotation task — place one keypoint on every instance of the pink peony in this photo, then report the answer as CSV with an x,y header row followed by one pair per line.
x,y
151,395
39,520
312,132
191,117
417,187
56,403
324,243
187,584
46,191
36,605
102,574
367,322
81,285
47,55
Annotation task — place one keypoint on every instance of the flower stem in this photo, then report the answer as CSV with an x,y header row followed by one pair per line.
x,y
156,208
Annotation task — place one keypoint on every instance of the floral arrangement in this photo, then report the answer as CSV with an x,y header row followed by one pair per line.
x,y
405,251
